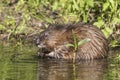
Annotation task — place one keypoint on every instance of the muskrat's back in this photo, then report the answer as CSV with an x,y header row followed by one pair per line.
x,y
54,39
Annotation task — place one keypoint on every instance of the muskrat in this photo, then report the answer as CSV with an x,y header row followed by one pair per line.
x,y
52,42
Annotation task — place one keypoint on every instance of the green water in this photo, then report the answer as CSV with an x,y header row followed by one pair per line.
x,y
18,62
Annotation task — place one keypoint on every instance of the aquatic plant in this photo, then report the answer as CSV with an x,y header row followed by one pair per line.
x,y
76,44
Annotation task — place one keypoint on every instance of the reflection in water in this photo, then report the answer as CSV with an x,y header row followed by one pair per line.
x,y
18,63
64,70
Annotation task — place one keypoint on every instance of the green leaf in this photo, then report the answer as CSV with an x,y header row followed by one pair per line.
x,y
2,27
90,3
105,6
83,41
76,5
116,20
82,3
69,45
114,43
99,23
107,31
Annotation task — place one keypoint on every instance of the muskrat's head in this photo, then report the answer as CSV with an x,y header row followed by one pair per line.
x,y
50,36
41,41
49,39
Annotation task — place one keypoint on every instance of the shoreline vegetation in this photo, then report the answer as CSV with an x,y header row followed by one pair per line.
x,y
20,20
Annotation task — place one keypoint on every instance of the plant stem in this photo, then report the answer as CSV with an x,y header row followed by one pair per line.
x,y
74,72
74,58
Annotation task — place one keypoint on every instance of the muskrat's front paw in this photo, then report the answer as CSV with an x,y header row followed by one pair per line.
x,y
54,55
40,54
51,54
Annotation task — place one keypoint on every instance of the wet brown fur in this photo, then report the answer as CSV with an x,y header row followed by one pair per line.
x,y
52,42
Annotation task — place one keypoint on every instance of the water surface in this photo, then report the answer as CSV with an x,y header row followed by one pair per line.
x,y
18,62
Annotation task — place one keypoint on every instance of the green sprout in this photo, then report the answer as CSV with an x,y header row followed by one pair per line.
x,y
76,44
